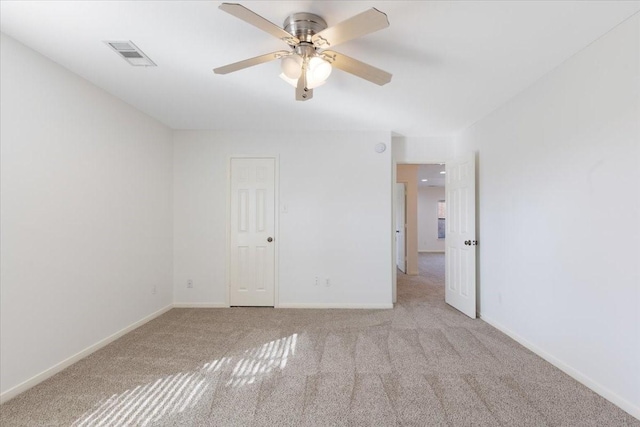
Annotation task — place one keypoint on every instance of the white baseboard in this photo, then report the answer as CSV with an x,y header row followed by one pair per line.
x,y
431,252
14,391
288,305
200,305
612,397
335,305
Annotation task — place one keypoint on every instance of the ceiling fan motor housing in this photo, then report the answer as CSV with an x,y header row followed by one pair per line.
x,y
304,25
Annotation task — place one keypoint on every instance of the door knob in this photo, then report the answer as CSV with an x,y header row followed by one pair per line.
x,y
269,239
467,242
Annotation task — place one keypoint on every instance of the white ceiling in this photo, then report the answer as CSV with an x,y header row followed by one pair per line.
x,y
432,174
452,62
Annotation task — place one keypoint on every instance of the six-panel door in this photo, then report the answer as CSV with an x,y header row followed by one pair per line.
x,y
460,277
252,259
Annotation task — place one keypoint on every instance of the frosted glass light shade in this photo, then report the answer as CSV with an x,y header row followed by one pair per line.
x,y
318,71
319,68
292,66
292,82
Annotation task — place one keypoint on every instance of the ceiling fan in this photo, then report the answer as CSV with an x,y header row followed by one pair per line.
x,y
308,63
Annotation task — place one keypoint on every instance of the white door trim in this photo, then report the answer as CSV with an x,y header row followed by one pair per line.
x,y
394,244
276,241
404,225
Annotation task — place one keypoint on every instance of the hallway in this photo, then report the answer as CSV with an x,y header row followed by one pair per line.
x,y
428,286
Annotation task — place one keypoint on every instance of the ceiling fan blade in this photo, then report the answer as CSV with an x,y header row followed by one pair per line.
x,y
302,92
226,69
357,68
356,26
256,20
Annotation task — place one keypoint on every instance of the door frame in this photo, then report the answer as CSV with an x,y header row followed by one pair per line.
x,y
428,161
404,225
276,233
394,248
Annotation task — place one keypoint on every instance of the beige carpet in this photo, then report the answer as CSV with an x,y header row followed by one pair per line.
x,y
420,364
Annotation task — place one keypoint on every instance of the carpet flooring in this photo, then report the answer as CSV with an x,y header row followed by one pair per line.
x,y
420,364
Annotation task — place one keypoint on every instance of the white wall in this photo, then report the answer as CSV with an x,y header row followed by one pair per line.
x,y
422,150
337,190
85,215
559,215
428,198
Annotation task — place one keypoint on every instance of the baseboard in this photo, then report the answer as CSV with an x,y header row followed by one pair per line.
x,y
431,252
336,305
200,305
37,379
612,397
289,305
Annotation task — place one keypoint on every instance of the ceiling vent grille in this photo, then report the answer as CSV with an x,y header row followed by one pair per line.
x,y
130,53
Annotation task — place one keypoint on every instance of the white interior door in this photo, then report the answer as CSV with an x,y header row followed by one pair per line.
x,y
460,252
252,260
401,226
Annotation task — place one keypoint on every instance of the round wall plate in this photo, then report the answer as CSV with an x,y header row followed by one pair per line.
x,y
380,147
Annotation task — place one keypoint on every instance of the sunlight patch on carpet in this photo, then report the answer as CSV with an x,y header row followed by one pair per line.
x,y
262,360
176,393
146,403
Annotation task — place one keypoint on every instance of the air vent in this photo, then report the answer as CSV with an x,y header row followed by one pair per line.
x,y
130,53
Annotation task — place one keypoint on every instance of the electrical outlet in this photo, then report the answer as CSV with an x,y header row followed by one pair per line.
x,y
317,283
154,290
189,283
327,282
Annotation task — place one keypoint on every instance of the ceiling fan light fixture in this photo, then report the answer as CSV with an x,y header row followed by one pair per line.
x,y
318,71
291,66
292,82
314,84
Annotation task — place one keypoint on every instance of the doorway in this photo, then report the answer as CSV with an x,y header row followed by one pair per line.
x,y
425,213
459,239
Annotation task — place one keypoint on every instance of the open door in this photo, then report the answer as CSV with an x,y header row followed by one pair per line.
x,y
401,226
460,252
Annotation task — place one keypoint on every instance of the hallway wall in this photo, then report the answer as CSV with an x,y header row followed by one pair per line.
x,y
428,198
409,175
